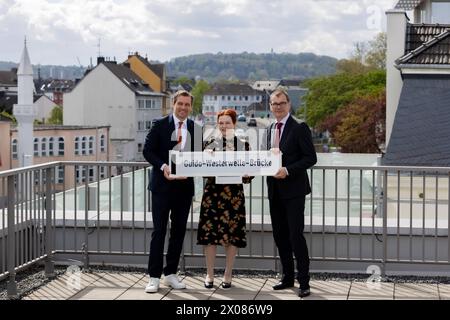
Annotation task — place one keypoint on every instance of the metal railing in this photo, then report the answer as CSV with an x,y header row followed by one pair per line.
x,y
354,214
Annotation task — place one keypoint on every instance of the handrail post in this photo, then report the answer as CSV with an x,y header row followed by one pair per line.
x,y
49,264
383,268
12,285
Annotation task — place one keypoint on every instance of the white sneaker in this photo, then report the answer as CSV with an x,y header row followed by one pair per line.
x,y
152,286
172,280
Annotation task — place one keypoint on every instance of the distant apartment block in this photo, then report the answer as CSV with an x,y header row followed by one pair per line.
x,y
229,96
60,143
113,95
292,86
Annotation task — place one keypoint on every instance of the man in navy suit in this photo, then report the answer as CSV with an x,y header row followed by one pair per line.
x,y
287,190
169,194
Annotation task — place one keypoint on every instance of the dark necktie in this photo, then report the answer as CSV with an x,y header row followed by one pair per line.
x,y
179,134
276,142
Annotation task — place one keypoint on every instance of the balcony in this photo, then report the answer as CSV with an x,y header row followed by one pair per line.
x,y
389,221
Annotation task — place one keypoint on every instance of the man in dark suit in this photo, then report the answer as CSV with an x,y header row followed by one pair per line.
x,y
170,194
287,190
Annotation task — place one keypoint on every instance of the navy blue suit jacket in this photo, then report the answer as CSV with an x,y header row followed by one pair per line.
x,y
162,138
298,154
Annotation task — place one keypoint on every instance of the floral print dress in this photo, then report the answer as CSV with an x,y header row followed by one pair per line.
x,y
222,213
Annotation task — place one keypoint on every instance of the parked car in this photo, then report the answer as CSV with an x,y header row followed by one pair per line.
x,y
252,122
241,118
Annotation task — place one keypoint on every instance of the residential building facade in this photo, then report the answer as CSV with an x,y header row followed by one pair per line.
x,y
152,73
229,96
60,143
113,95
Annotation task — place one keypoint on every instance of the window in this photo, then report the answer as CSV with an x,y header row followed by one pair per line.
x,y
91,145
140,125
91,174
60,174
148,104
102,172
80,174
83,145
148,125
141,104
44,147
77,145
215,98
51,143
234,98
229,98
140,147
246,98
223,98
60,146
102,143
14,149
36,147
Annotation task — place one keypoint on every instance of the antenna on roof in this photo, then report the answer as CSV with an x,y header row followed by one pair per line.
x,y
99,54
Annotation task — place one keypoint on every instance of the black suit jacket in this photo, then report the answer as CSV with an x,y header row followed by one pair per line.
x,y
298,154
160,140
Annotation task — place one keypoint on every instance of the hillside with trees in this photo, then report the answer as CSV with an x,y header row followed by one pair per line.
x,y
251,66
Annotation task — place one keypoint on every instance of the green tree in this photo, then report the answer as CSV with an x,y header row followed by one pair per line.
x,y
56,116
326,95
5,114
376,55
183,80
198,92
351,66
359,127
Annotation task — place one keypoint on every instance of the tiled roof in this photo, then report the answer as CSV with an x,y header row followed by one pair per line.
x,y
157,68
128,77
407,4
418,34
421,130
56,85
434,51
427,44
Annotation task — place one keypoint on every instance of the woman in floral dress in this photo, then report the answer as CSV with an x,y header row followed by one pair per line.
x,y
222,212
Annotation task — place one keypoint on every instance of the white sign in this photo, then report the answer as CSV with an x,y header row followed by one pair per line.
x,y
224,163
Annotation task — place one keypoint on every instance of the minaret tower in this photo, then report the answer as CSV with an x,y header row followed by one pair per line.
x,y
24,110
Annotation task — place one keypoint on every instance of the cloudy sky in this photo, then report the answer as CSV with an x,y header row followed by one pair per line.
x,y
63,31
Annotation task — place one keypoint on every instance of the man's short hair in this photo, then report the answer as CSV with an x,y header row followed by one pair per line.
x,y
279,91
182,93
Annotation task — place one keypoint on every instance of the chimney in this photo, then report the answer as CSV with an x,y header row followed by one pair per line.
x,y
397,22
100,60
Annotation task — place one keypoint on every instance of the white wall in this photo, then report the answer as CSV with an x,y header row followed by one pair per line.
x,y
396,33
102,99
44,107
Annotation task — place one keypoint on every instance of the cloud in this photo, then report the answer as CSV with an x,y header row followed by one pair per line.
x,y
59,30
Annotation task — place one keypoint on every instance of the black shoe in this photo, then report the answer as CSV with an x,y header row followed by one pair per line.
x,y
283,285
304,293
226,285
209,284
